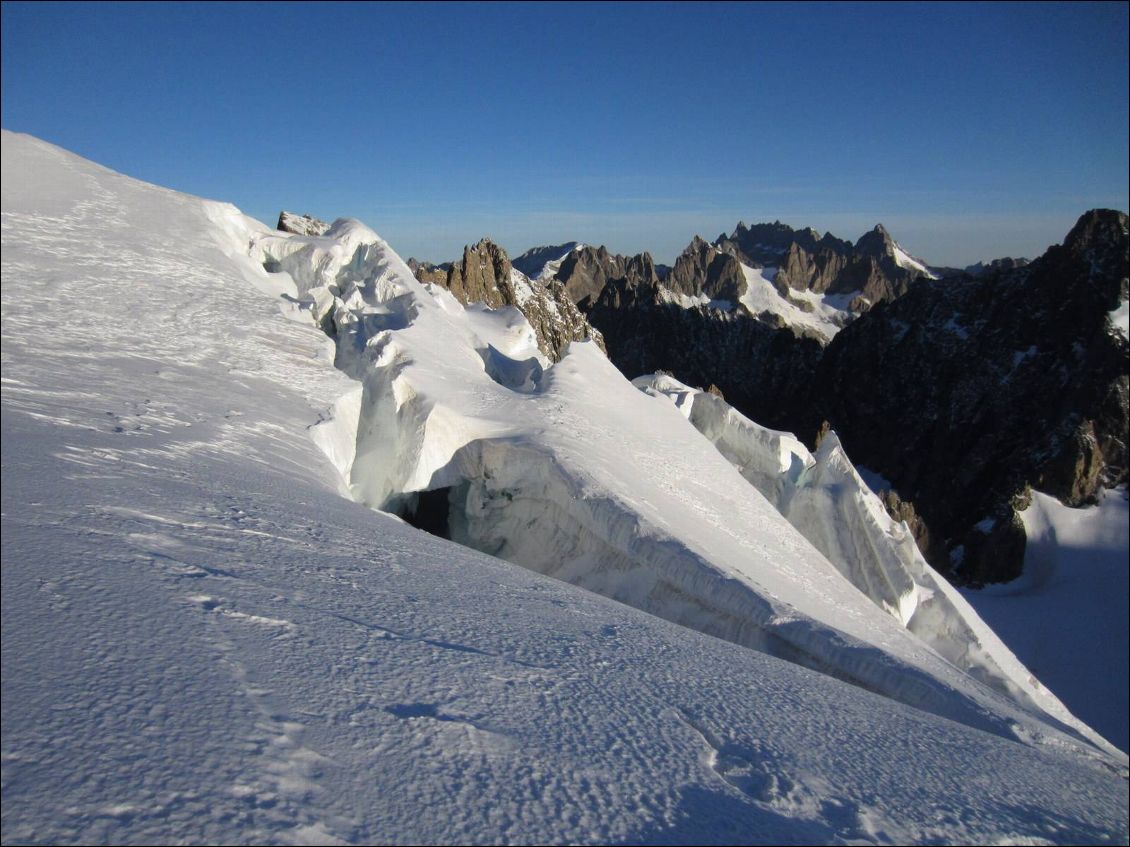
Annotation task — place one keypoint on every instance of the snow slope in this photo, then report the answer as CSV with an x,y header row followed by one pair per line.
x,y
821,315
203,641
1066,615
905,260
543,263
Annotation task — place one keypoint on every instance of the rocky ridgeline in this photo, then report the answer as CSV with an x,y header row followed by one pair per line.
x,y
587,270
486,275
871,271
963,392
702,271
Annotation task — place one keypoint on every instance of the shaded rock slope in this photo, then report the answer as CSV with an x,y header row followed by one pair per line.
x,y
965,393
962,392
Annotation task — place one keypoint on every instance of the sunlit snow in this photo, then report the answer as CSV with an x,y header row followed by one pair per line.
x,y
823,314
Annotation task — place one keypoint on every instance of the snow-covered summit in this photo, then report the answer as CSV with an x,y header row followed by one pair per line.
x,y
203,641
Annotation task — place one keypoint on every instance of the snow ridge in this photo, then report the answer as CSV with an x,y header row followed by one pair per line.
x,y
826,499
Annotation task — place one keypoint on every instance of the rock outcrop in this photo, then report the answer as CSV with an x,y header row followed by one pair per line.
x,y
702,269
427,272
587,270
486,275
301,224
874,269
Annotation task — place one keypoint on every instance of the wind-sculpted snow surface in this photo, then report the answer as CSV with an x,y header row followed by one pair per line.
x,y
824,497
203,642
571,472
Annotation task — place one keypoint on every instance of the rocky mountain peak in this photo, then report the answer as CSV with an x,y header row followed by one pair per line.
x,y
486,275
876,243
768,245
586,271
1097,226
482,275
1100,238
703,269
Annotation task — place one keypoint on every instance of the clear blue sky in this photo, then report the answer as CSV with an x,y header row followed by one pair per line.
x,y
970,130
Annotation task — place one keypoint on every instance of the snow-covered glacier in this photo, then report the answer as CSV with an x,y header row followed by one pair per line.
x,y
572,472
204,641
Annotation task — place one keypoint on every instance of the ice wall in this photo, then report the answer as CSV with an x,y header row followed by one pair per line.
x,y
825,498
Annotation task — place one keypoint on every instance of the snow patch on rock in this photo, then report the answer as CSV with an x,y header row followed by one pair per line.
x,y
824,315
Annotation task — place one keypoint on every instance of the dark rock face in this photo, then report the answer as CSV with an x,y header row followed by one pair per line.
x,y
301,224
982,268
963,392
586,271
765,245
966,392
760,369
485,276
815,268
702,269
807,261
